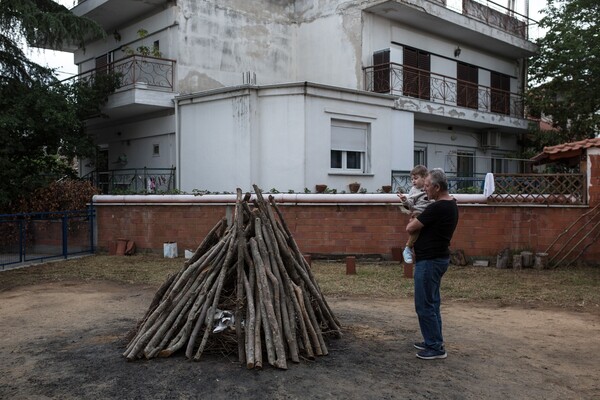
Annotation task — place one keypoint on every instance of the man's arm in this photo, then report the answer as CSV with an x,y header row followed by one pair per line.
x,y
414,225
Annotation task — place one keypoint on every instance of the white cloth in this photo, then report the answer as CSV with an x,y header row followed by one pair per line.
x,y
488,185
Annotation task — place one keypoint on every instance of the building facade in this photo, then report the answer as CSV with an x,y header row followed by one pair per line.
x,y
291,94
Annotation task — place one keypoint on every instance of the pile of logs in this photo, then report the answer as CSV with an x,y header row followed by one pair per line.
x,y
253,268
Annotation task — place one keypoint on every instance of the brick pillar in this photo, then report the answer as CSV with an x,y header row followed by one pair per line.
x,y
593,166
351,265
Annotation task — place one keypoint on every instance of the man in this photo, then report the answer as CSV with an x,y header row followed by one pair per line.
x,y
436,225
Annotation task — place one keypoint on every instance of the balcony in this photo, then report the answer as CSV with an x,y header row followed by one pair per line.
x,y
481,24
147,85
111,14
410,82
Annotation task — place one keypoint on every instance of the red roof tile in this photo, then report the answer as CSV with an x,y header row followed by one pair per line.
x,y
567,148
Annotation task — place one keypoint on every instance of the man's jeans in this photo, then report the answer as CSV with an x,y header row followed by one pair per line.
x,y
428,276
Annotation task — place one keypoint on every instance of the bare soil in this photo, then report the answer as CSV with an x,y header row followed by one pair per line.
x,y
64,340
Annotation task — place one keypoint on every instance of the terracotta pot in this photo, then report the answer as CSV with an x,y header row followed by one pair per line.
x,y
354,187
386,188
320,188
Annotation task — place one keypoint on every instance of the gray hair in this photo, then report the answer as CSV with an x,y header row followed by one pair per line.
x,y
438,177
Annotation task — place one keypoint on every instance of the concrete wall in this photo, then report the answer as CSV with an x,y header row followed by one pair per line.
x,y
280,137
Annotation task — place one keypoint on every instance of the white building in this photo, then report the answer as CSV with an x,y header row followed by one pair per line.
x,y
290,94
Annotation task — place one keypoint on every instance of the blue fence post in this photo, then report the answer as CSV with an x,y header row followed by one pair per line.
x,y
21,242
91,215
64,235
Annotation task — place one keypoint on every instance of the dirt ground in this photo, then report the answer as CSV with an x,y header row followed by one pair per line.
x,y
64,340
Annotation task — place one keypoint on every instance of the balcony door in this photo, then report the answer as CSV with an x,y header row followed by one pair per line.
x,y
417,68
500,96
466,86
381,71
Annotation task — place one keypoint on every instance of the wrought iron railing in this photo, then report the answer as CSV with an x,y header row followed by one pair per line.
x,y
404,80
566,189
134,180
456,184
138,71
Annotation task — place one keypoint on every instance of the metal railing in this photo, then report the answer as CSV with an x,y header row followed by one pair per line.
x,y
43,236
565,189
133,180
456,184
404,80
138,71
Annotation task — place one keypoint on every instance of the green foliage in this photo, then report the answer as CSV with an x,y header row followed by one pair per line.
x,y
566,72
41,119
143,49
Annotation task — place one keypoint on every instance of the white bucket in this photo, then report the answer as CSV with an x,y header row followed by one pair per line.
x,y
170,250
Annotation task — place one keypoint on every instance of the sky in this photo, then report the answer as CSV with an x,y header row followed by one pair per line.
x,y
63,62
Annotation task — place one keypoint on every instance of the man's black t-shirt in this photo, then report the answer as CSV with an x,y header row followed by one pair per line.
x,y
439,221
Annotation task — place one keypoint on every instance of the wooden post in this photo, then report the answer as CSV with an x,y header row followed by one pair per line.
x,y
350,265
408,271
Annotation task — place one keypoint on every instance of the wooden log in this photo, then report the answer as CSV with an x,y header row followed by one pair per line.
x,y
239,291
271,320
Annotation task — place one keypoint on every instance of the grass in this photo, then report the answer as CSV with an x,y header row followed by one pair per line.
x,y
573,288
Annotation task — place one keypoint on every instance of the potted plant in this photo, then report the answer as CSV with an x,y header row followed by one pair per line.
x,y
386,188
354,187
320,188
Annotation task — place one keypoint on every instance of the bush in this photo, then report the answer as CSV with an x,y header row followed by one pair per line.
x,y
68,194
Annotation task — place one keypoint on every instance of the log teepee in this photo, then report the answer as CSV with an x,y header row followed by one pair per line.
x,y
246,289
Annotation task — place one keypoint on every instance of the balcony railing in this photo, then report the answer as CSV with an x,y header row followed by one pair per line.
x,y
133,180
404,80
138,71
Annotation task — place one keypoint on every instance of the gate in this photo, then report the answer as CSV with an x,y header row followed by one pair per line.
x,y
43,236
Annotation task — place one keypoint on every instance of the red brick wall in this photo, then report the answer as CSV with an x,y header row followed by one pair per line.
x,y
345,229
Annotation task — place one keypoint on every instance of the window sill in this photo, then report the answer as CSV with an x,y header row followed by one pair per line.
x,y
349,173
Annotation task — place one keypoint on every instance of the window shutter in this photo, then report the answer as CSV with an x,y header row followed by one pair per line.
x,y
346,136
381,71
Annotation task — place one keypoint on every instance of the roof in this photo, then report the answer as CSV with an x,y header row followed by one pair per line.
x,y
566,150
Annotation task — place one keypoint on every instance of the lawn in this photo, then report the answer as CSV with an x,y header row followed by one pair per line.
x,y
574,288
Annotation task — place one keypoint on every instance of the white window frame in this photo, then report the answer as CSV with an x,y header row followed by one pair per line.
x,y
352,144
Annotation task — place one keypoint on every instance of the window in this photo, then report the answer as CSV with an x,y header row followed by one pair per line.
x,y
500,101
420,156
381,71
103,63
499,164
349,146
465,168
466,85
417,67
156,150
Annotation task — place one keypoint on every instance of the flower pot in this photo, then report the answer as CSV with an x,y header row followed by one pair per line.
x,y
320,188
386,188
354,187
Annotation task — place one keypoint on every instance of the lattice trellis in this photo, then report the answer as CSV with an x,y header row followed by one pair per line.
x,y
540,188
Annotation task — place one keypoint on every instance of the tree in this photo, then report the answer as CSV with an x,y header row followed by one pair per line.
x,y
566,72
41,118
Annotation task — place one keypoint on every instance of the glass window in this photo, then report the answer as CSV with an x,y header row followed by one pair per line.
x,y
349,145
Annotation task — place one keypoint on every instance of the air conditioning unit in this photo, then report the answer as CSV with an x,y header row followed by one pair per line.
x,y
490,139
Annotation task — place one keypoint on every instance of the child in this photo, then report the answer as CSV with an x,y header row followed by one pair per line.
x,y
414,203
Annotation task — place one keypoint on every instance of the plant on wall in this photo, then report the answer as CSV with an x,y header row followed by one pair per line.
x,y
142,49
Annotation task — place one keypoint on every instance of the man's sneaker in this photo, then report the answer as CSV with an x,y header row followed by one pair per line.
x,y
431,354
407,255
420,346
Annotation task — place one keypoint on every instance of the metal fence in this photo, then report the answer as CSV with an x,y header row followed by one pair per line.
x,y
43,236
134,180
